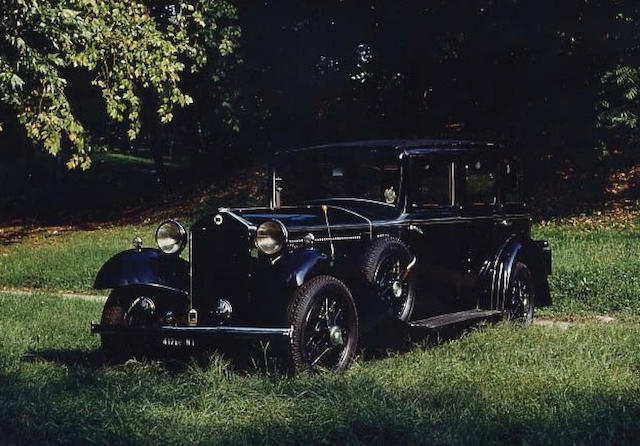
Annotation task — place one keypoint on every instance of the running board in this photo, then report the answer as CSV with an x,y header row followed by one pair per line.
x,y
454,318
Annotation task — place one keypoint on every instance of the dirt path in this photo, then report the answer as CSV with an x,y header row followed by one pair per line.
x,y
101,298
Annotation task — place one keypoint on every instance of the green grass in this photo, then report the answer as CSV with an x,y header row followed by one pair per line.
x,y
116,186
65,261
129,160
503,384
594,270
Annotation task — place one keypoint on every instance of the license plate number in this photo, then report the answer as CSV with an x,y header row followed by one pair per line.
x,y
178,342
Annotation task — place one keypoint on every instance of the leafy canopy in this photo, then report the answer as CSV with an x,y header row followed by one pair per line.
x,y
126,45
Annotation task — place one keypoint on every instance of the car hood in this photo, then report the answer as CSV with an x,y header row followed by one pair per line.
x,y
338,212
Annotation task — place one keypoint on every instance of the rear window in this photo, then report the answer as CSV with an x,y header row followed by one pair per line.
x,y
432,183
512,182
480,182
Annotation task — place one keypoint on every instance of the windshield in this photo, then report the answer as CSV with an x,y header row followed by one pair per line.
x,y
304,177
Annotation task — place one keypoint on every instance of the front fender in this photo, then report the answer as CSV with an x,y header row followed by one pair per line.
x,y
294,269
276,281
147,267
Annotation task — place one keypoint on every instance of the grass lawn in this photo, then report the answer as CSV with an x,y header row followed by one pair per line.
x,y
65,261
503,384
595,269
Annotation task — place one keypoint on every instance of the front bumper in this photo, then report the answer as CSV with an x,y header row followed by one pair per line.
x,y
170,331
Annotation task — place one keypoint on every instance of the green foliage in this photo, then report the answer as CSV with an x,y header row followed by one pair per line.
x,y
127,46
620,108
503,385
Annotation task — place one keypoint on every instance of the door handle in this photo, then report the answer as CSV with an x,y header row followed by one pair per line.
x,y
504,223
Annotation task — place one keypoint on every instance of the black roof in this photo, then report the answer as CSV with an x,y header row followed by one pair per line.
x,y
400,145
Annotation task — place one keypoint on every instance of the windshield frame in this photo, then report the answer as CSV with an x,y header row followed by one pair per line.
x,y
278,159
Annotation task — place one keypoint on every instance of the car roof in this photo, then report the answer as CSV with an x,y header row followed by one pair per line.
x,y
409,146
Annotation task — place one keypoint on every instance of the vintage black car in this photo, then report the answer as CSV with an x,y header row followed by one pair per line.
x,y
427,233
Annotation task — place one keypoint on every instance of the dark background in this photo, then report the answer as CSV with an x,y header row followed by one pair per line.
x,y
531,75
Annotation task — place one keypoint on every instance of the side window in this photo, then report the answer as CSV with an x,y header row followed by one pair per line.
x,y
480,182
512,182
376,179
432,183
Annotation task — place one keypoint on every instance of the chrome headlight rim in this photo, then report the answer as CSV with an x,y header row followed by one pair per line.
x,y
180,240
282,229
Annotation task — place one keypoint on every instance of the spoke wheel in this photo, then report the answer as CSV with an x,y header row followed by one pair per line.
x,y
124,309
521,296
386,277
142,312
391,287
325,322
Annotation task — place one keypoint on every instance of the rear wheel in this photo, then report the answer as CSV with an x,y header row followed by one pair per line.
x,y
521,295
325,325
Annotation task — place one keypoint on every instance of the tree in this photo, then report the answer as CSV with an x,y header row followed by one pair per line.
x,y
127,46
620,96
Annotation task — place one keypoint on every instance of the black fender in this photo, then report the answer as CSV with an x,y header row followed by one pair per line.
x,y
145,268
276,280
296,268
497,274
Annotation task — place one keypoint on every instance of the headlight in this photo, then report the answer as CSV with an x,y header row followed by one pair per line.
x,y
171,237
271,237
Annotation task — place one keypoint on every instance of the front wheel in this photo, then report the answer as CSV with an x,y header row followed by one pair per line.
x,y
325,325
124,309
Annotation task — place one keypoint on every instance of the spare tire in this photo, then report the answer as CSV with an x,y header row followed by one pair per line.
x,y
384,271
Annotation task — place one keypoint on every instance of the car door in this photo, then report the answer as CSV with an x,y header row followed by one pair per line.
x,y
480,210
435,234
512,216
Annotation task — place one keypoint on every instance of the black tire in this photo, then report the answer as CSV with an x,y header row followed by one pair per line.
x,y
521,295
117,312
323,313
383,283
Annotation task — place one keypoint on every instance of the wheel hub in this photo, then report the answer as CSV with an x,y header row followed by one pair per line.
x,y
335,335
142,311
397,288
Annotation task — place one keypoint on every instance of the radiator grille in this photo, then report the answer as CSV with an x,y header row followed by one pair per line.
x,y
220,267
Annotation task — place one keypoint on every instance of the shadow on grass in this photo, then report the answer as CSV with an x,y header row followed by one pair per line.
x,y
92,359
229,399
241,356
105,409
253,357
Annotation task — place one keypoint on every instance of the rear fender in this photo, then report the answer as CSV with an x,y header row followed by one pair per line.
x,y
147,268
497,275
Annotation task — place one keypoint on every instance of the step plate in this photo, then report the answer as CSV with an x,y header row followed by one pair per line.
x,y
454,318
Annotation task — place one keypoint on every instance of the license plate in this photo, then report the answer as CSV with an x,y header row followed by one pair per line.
x,y
178,342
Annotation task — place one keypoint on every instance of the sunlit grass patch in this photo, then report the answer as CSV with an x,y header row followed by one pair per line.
x,y
594,270
66,261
